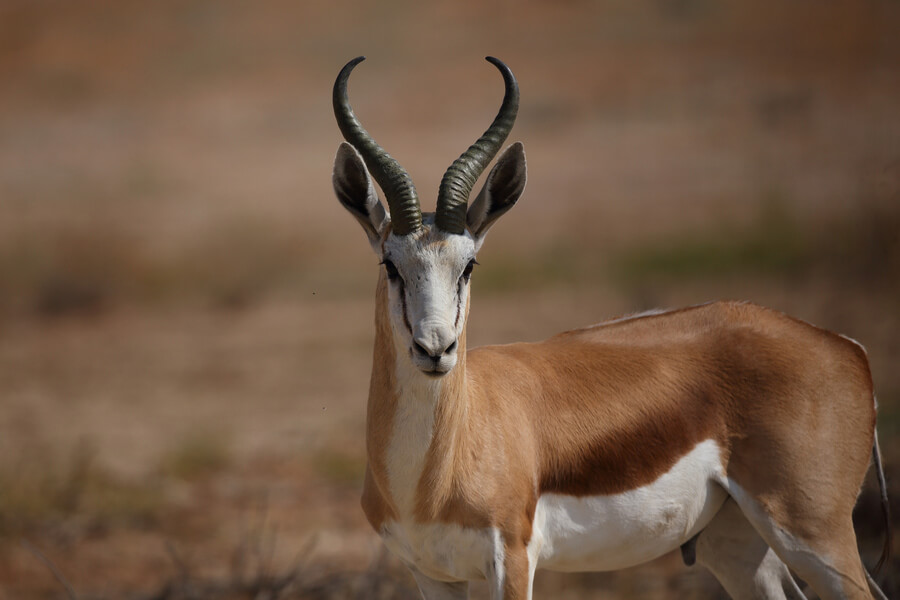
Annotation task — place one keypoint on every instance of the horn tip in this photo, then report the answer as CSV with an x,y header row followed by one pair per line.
x,y
341,81
507,73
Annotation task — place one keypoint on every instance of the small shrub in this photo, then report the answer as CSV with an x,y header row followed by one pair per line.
x,y
197,455
341,467
774,245
40,490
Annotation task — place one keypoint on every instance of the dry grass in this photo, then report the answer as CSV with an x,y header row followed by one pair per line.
x,y
185,311
201,454
70,497
251,577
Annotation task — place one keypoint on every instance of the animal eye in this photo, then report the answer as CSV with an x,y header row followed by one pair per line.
x,y
392,272
467,272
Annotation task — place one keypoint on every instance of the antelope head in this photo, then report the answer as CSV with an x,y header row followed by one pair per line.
x,y
427,257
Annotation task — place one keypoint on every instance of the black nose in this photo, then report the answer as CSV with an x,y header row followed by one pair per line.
x,y
434,356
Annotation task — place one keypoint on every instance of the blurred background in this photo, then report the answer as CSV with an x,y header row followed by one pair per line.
x,y
186,311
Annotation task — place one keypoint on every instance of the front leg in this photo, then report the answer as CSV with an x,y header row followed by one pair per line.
x,y
432,589
512,575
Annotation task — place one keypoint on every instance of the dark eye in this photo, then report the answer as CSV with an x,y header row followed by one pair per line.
x,y
467,272
392,272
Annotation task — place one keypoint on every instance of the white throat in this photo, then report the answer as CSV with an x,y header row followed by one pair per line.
x,y
418,396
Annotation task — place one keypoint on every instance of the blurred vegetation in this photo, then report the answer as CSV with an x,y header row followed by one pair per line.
x,y
171,159
384,580
556,264
341,467
861,248
71,496
75,270
196,456
773,245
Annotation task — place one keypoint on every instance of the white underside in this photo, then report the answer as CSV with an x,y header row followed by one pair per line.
x,y
594,533
602,533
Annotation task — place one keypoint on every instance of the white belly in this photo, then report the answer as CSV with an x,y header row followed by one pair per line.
x,y
593,533
601,533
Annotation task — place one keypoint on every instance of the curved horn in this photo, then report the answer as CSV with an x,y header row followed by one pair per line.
x,y
406,215
459,179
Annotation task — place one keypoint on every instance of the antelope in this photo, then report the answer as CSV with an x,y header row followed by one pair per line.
x,y
732,431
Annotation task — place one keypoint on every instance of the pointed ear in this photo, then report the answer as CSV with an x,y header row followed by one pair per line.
x,y
353,188
504,185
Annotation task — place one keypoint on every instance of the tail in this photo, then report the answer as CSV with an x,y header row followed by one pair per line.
x,y
885,507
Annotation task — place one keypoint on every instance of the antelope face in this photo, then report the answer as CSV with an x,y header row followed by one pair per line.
x,y
428,285
427,258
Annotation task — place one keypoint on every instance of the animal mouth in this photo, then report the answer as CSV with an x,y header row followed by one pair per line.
x,y
434,372
430,366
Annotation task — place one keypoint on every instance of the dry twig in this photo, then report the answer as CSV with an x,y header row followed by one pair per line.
x,y
70,591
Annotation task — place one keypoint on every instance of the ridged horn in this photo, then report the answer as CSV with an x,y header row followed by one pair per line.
x,y
399,191
457,183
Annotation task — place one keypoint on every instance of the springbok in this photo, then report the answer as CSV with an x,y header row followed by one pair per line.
x,y
730,430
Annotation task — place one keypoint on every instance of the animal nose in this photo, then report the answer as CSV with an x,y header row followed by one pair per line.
x,y
433,349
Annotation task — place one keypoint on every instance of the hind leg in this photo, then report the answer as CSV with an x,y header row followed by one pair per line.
x,y
742,562
824,554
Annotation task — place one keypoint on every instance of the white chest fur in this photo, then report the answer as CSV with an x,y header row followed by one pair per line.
x,y
596,533
446,552
600,533
413,427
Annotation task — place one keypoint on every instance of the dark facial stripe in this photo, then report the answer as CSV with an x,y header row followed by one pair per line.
x,y
459,296
402,292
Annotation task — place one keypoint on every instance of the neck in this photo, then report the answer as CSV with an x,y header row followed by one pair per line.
x,y
415,422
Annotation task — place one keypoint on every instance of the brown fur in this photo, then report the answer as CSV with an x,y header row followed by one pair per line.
x,y
376,500
609,408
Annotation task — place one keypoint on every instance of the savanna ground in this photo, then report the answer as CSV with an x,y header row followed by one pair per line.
x,y
186,312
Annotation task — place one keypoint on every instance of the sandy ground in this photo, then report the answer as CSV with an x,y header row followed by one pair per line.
x,y
185,310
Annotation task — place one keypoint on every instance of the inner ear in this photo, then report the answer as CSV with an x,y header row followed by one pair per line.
x,y
352,184
355,191
501,191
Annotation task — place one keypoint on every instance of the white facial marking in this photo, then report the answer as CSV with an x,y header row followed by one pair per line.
x,y
600,533
428,294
